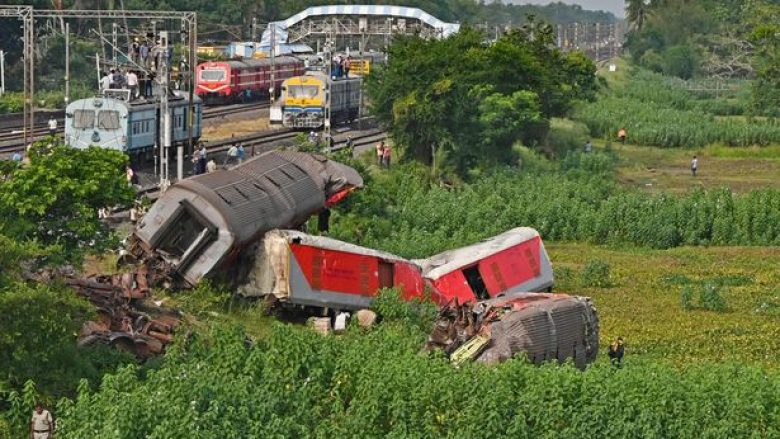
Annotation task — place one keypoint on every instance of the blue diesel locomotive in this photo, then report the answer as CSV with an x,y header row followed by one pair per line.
x,y
131,127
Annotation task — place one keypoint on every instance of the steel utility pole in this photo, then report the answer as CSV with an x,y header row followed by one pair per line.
x,y
272,88
2,73
165,114
328,82
254,34
67,64
113,44
192,34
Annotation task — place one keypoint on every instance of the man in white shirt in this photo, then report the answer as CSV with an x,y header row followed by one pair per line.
x,y
52,126
132,84
42,424
694,165
105,82
232,155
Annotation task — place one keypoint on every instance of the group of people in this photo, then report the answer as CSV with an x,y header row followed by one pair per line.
x,y
383,154
201,164
147,53
235,154
117,79
339,67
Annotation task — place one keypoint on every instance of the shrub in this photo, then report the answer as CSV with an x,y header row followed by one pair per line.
x,y
596,274
566,136
711,299
686,298
392,308
375,384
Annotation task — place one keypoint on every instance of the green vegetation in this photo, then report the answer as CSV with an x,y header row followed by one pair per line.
x,y
401,213
375,383
45,214
55,198
658,111
718,38
699,315
470,102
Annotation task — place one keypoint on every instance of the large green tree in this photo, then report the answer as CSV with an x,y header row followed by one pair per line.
x,y
54,199
471,100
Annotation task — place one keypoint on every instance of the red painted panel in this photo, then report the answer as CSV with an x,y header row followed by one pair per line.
x,y
333,270
454,285
511,267
408,277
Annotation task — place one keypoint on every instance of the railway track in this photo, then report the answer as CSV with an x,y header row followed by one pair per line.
x,y
14,138
263,142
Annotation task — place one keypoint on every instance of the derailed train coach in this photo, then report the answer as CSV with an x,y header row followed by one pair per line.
x,y
202,222
299,269
512,262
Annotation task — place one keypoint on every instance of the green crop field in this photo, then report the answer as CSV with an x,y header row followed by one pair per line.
x,y
659,112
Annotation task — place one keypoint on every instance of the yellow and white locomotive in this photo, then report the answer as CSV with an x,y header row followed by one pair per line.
x,y
304,100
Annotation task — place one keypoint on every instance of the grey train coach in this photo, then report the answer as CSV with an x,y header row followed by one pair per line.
x,y
131,127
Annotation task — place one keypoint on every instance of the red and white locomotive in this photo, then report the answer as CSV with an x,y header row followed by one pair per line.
x,y
236,81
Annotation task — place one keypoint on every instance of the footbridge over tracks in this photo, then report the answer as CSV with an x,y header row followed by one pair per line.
x,y
362,27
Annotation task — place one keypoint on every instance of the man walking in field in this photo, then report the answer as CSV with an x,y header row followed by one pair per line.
x,y
42,424
694,165
622,136
616,351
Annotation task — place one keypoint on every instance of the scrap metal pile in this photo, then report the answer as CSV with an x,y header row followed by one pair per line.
x,y
123,320
543,326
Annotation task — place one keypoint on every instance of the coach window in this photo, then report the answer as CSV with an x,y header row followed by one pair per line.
x,y
108,120
83,119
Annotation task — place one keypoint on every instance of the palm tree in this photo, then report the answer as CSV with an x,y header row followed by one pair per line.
x,y
636,12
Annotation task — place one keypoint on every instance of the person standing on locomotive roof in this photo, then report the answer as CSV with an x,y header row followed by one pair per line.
x,y
112,79
135,50
105,82
347,64
132,84
143,51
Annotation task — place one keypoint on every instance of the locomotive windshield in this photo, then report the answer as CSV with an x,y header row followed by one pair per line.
x,y
83,119
302,91
108,120
212,75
